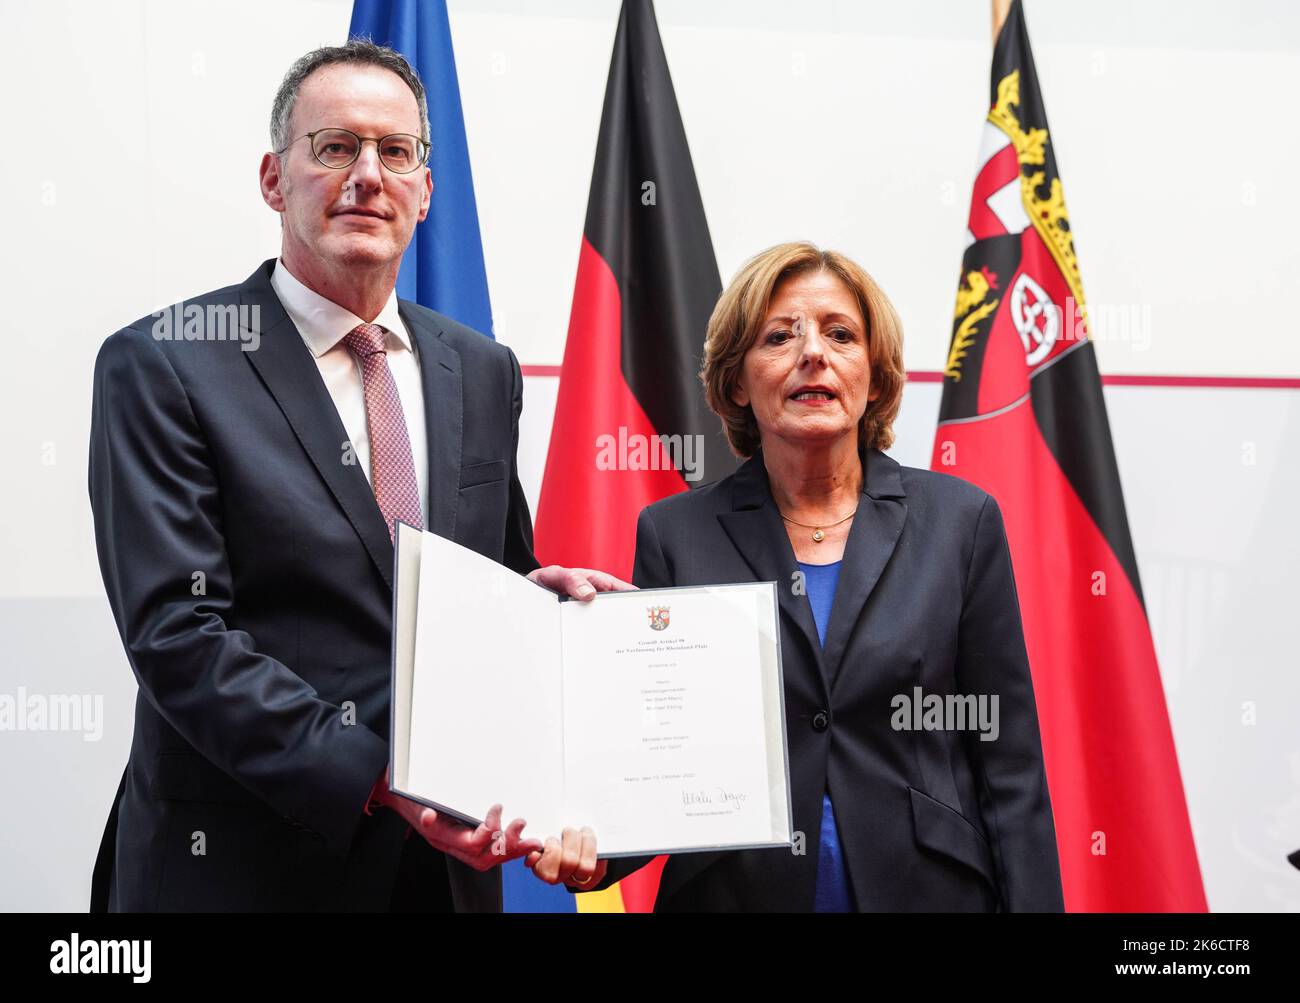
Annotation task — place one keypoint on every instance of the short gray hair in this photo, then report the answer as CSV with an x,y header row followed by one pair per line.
x,y
357,52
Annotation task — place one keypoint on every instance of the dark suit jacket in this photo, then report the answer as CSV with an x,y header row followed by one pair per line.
x,y
928,820
250,574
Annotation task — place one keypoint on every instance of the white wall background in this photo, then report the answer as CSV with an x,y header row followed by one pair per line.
x,y
136,128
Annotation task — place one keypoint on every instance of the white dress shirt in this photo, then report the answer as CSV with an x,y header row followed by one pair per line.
x,y
323,325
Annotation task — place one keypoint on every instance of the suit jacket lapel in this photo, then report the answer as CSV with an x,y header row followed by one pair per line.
x,y
286,366
756,529
872,538
440,376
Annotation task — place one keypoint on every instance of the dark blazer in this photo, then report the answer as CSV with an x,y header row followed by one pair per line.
x,y
928,820
250,574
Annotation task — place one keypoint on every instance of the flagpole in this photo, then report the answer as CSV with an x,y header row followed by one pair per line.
x,y
1060,449
1000,10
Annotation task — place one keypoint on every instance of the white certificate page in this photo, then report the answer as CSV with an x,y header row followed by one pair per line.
x,y
655,717
667,740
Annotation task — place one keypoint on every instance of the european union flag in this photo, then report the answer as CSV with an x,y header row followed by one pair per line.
x,y
443,267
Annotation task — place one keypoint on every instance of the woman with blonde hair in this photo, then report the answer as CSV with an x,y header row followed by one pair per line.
x,y
895,585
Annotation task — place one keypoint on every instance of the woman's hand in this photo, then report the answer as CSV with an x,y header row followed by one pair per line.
x,y
570,859
580,583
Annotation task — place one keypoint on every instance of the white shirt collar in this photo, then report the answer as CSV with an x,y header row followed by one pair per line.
x,y
322,322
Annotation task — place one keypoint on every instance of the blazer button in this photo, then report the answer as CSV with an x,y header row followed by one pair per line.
x,y
821,721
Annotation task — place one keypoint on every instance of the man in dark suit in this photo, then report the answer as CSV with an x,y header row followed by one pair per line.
x,y
251,453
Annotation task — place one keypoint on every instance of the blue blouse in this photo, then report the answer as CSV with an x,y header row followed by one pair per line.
x,y
834,894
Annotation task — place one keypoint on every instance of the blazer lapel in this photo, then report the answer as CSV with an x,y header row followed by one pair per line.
x,y
286,366
872,538
756,529
440,376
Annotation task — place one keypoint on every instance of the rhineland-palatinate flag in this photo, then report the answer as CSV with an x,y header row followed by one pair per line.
x,y
1024,418
631,425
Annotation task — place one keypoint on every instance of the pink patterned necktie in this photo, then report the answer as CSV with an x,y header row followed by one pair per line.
x,y
392,469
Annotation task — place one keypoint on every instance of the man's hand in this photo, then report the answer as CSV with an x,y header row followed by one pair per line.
x,y
482,847
580,583
571,859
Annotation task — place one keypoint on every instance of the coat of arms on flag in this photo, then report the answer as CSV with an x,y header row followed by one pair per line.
x,y
1024,417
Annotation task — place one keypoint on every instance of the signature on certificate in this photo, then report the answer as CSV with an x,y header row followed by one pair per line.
x,y
718,797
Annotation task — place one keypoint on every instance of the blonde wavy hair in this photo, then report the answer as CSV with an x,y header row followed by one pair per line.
x,y
739,315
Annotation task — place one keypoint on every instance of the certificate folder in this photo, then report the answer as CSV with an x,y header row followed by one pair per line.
x,y
656,716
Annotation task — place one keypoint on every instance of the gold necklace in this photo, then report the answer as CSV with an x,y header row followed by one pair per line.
x,y
818,534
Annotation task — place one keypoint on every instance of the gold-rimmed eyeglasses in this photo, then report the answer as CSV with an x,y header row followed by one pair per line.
x,y
400,152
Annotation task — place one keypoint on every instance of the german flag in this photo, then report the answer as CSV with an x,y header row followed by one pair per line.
x,y
631,425
1024,418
